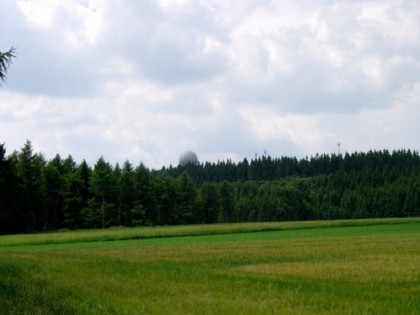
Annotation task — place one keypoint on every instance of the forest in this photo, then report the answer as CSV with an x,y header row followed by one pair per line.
x,y
37,194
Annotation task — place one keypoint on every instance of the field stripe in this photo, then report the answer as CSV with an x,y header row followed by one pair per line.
x,y
349,231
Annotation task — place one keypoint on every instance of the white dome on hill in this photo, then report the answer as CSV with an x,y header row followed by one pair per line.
x,y
188,157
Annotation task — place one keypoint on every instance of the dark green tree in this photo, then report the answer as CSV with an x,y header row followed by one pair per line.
x,y
127,193
227,205
210,202
166,200
32,200
187,205
73,202
102,187
55,191
10,216
144,209
76,202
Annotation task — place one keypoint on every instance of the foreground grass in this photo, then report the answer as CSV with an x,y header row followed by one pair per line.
x,y
364,269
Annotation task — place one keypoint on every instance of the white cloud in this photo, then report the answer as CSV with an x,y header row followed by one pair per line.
x,y
145,80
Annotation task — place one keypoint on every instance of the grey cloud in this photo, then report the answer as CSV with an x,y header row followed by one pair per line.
x,y
166,47
154,81
310,84
43,65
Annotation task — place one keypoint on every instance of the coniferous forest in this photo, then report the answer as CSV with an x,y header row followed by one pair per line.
x,y
37,194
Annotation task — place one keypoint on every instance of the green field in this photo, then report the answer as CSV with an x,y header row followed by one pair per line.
x,y
333,267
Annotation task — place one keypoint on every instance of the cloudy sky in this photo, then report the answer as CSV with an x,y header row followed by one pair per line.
x,y
146,80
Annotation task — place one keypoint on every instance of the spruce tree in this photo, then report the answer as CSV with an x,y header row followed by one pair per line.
x,y
101,186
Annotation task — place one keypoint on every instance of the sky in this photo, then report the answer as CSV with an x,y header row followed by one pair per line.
x,y
146,80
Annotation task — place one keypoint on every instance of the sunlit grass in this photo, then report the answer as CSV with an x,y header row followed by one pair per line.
x,y
123,233
349,270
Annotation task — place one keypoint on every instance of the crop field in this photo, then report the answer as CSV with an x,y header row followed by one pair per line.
x,y
332,267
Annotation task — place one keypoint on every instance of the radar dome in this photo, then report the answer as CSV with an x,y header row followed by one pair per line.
x,y
188,157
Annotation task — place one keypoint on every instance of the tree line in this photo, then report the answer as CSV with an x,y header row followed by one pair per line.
x,y
37,194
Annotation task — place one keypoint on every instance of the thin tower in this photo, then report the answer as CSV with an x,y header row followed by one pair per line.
x,y
339,147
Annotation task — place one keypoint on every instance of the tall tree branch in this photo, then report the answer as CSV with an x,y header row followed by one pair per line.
x,y
5,61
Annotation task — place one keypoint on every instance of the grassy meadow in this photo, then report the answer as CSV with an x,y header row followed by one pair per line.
x,y
333,267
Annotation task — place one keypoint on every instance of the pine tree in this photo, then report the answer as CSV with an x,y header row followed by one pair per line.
x,y
127,193
5,61
144,195
210,202
9,214
166,200
55,190
226,202
186,194
101,186
77,195
32,188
